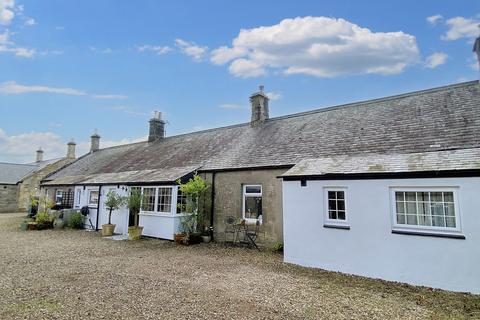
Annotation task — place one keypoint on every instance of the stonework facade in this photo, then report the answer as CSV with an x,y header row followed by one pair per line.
x,y
8,198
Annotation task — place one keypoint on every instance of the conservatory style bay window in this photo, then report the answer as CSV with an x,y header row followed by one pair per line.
x,y
432,211
157,200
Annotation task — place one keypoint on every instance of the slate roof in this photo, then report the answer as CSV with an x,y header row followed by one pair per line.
x,y
448,160
430,120
11,173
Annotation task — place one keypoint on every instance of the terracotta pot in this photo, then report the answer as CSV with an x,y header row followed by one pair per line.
x,y
135,233
107,230
32,226
180,238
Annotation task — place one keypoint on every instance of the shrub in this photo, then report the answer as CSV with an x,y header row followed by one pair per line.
x,y
43,217
278,247
76,220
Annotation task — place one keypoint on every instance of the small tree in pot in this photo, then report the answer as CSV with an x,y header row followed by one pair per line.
x,y
134,201
113,202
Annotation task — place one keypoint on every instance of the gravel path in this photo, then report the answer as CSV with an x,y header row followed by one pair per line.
x,y
78,275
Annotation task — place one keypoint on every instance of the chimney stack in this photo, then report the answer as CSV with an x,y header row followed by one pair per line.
x,y
157,127
39,155
95,142
71,149
259,103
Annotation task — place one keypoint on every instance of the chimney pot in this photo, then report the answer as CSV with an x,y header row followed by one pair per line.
x,y
259,104
95,142
39,155
157,127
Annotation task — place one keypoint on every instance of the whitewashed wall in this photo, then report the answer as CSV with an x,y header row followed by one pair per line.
x,y
369,248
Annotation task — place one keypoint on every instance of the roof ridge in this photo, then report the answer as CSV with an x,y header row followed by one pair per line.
x,y
375,100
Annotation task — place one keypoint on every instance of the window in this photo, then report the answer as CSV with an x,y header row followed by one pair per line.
x,y
58,196
181,202
148,199
164,200
335,207
93,198
426,209
79,195
252,202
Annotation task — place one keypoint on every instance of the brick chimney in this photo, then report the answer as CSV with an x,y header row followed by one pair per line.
x,y
71,149
39,155
157,127
94,142
259,103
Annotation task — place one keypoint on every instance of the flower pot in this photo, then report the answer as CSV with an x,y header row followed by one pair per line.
x,y
180,238
206,239
24,226
32,226
58,223
135,233
107,230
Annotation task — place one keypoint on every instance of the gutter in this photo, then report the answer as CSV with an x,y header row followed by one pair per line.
x,y
98,207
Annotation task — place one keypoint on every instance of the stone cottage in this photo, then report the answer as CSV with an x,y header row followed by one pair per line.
x,y
244,163
20,181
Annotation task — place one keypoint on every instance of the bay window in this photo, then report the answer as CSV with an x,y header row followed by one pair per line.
x,y
157,200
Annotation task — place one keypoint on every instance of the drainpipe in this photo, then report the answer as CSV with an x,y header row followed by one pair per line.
x,y
98,206
212,207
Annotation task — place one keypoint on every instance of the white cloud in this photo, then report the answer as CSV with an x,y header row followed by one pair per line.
x,y
461,27
30,22
6,45
433,20
317,46
6,11
11,87
436,59
191,49
22,148
274,95
475,66
129,110
107,51
110,96
160,50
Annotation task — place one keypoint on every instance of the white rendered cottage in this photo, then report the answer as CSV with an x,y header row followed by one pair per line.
x,y
412,218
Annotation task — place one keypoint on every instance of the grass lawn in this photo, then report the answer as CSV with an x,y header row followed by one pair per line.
x,y
78,275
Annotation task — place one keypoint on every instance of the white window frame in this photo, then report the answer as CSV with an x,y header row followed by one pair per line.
x,y
78,194
426,229
335,222
155,211
57,196
244,195
88,199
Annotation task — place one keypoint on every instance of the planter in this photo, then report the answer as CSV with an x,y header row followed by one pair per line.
x,y
206,239
44,225
107,230
24,226
180,238
135,233
195,238
58,224
32,226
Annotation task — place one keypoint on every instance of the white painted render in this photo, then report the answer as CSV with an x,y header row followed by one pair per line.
x,y
370,248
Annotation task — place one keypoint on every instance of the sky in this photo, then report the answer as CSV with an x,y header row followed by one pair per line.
x,y
68,68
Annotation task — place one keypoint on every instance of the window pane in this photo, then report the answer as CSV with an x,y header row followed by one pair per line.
x,y
253,207
341,205
332,214
410,196
93,197
340,195
332,195
332,205
181,202
411,207
412,219
400,207
450,222
253,189
400,196
436,196
148,199
400,219
341,215
448,196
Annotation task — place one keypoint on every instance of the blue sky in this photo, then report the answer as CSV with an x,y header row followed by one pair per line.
x,y
69,67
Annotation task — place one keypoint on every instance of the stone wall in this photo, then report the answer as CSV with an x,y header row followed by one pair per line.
x,y
31,184
229,197
8,198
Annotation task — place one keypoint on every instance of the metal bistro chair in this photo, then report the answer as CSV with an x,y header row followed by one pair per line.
x,y
230,228
251,235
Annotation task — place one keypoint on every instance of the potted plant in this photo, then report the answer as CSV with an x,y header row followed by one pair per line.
x,y
194,221
44,221
113,202
33,205
207,234
134,201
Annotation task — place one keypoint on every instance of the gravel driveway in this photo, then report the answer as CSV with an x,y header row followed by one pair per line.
x,y
78,275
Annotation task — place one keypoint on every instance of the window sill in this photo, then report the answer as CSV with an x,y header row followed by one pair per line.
x,y
336,226
429,234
